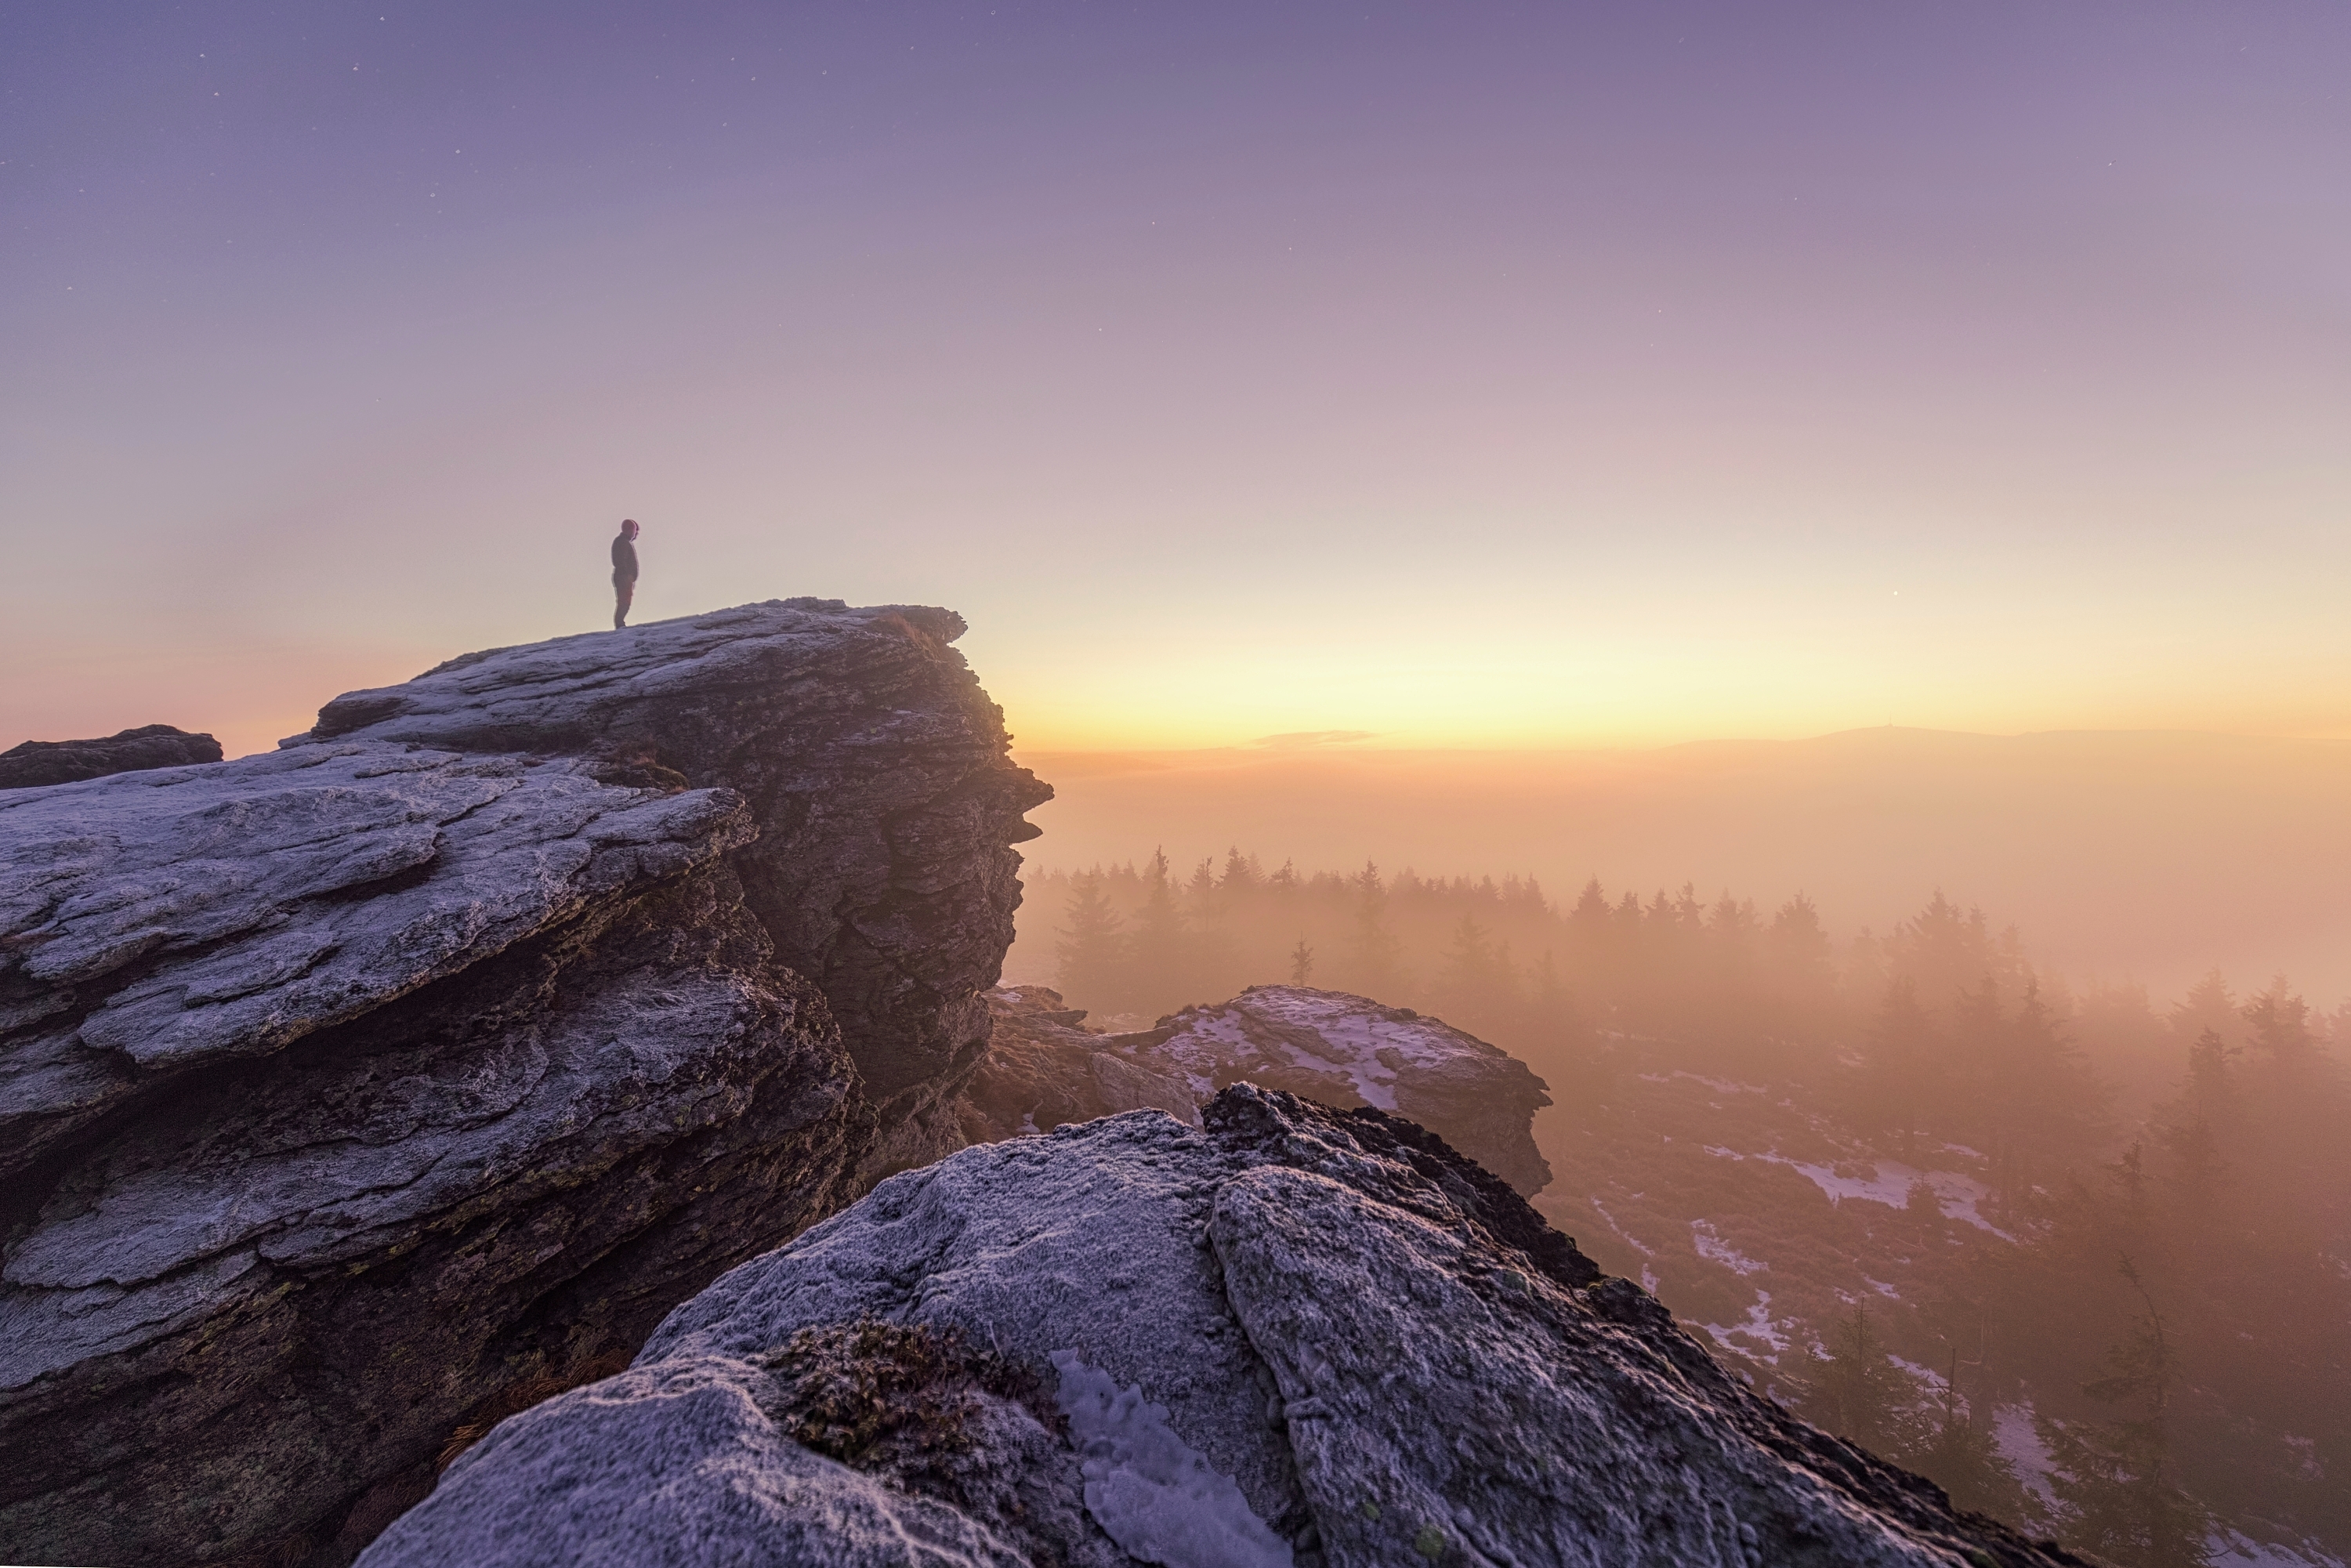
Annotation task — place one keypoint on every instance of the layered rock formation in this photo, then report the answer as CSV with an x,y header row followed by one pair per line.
x,y
1290,1336
1342,1049
38,762
346,1090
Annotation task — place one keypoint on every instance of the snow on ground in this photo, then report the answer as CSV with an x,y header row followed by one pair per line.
x,y
1758,1325
2230,1550
1714,1249
1888,1182
1623,1235
2020,1445
1719,1085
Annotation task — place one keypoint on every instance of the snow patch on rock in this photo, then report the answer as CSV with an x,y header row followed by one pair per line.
x,y
1344,1049
1154,1493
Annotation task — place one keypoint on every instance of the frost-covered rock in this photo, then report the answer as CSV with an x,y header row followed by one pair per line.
x,y
1339,1048
347,1091
1292,1334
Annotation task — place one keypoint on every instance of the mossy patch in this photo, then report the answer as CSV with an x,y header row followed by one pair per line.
x,y
896,1399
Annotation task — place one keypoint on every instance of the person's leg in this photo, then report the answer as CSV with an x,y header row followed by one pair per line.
x,y
623,593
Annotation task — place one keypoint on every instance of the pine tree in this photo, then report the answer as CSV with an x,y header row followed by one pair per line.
x,y
2211,1089
1469,979
2029,1099
1898,1064
1590,915
1302,964
1211,964
1962,1454
1159,971
1941,950
2116,1493
1375,961
2208,1008
2280,1028
1801,981
1090,949
2197,1169
1856,1392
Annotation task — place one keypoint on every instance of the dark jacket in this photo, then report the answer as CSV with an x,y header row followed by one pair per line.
x,y
625,561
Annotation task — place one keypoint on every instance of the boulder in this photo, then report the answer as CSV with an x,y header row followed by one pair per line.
x,y
38,762
1292,1335
1339,1048
1043,1070
354,1093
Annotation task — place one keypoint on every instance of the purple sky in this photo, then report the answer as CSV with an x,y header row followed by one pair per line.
x,y
1487,375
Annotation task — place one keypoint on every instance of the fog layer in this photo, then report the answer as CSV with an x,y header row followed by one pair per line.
x,y
2146,855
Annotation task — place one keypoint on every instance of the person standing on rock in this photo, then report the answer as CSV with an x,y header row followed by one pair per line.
x,y
625,572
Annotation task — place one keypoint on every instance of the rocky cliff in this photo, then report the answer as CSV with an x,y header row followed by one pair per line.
x,y
1289,1336
349,1093
38,762
1333,1047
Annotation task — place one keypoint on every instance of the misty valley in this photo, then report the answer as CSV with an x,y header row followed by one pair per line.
x,y
2081,1256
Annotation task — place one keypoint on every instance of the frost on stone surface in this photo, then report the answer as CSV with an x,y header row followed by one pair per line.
x,y
438,1053
1151,1491
1386,1350
674,1467
1333,1047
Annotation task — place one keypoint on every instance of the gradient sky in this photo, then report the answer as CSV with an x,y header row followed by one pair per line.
x,y
1501,375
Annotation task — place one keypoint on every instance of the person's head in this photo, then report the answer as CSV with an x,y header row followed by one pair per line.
x,y
628,527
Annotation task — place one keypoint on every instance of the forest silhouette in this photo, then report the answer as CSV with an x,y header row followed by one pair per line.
x,y
2114,1303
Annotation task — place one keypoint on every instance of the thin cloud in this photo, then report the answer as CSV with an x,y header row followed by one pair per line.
x,y
1300,739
